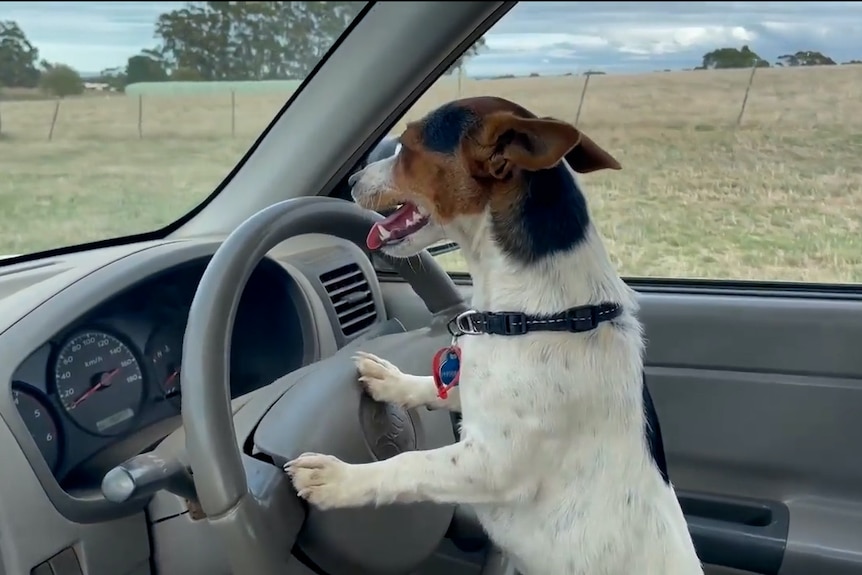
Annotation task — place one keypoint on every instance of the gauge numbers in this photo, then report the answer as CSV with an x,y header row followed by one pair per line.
x,y
40,422
99,382
164,349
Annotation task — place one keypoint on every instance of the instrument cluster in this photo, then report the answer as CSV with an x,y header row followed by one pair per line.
x,y
100,382
117,371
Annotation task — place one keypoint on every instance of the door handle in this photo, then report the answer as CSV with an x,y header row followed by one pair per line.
x,y
740,533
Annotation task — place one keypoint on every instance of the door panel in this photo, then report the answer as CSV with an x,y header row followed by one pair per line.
x,y
760,402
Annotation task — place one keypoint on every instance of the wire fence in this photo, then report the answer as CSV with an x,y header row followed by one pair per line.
x,y
745,174
704,100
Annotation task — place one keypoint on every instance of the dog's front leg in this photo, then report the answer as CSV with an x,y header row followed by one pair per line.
x,y
386,383
458,473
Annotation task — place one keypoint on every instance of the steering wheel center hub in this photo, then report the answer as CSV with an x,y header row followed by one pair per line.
x,y
388,429
325,411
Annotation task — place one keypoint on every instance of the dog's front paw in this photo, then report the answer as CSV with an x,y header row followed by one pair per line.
x,y
382,380
326,482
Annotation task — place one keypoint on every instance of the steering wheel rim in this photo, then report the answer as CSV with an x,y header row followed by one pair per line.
x,y
213,454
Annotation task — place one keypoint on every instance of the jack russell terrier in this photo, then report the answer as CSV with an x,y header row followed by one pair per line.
x,y
555,452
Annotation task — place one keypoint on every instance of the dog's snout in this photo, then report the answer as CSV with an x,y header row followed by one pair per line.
x,y
369,182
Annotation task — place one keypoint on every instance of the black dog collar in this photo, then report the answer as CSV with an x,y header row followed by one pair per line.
x,y
574,320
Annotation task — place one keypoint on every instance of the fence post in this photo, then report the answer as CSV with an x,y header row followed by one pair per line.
x,y
140,116
54,120
745,98
583,96
233,113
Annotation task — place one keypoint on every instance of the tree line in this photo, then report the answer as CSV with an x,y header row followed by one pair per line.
x,y
202,41
745,57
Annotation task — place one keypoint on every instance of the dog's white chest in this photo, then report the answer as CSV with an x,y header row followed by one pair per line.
x,y
527,382
578,492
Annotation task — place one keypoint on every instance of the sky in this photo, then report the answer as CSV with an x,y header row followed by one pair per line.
x,y
542,37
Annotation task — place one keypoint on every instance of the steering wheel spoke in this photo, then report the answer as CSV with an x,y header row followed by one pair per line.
x,y
272,517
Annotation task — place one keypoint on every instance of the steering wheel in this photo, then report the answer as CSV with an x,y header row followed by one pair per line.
x,y
250,502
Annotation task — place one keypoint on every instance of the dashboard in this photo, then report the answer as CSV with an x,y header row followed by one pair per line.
x,y
107,384
117,369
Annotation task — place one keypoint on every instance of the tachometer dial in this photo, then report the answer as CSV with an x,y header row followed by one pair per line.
x,y
164,349
40,422
99,382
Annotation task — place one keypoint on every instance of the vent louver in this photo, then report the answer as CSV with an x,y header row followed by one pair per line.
x,y
351,297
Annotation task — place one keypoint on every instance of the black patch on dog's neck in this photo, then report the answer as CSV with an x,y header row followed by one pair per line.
x,y
652,434
551,217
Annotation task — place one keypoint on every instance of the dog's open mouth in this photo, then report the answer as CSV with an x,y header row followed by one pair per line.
x,y
401,223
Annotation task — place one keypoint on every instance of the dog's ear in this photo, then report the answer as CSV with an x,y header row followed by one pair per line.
x,y
527,143
588,157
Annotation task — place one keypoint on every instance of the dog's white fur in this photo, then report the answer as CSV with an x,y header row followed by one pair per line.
x,y
553,455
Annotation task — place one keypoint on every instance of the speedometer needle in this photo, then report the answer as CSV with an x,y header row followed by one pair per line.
x,y
171,377
104,381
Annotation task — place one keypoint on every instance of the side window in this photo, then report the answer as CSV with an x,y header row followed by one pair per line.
x,y
737,131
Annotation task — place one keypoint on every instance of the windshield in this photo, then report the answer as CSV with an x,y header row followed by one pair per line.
x,y
117,118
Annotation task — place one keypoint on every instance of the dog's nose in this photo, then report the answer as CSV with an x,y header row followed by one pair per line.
x,y
351,181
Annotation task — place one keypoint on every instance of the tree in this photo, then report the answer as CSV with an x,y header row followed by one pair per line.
x,y
468,53
61,80
732,58
18,57
145,68
806,58
250,40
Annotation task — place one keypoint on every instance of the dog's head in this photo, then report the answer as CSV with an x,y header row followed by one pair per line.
x,y
465,159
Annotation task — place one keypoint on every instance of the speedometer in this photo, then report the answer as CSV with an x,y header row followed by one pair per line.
x,y
99,382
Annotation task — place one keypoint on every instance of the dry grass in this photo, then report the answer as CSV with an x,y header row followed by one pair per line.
x,y
779,198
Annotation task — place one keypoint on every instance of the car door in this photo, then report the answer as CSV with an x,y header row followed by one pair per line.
x,y
736,217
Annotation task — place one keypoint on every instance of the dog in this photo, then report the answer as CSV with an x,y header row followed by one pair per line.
x,y
554,453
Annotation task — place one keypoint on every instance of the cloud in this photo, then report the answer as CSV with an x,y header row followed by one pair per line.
x,y
656,39
89,36
531,41
668,39
642,36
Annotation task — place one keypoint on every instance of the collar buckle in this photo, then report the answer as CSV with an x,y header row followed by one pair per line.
x,y
464,324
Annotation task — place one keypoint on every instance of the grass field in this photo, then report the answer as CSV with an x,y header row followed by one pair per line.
x,y
779,198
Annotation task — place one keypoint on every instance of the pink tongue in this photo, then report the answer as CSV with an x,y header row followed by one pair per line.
x,y
397,219
373,240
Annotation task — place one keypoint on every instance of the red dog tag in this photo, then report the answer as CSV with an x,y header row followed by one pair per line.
x,y
446,369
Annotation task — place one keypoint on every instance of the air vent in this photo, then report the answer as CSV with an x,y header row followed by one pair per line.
x,y
351,297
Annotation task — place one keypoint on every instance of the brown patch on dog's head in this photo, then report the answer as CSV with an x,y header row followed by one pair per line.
x,y
477,151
